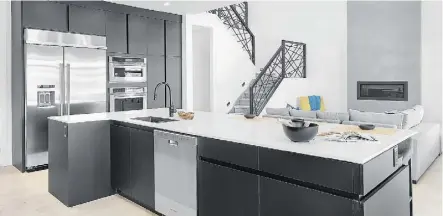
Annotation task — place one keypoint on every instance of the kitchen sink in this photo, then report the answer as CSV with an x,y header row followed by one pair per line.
x,y
154,119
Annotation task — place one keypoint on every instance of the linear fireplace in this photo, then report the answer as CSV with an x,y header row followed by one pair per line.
x,y
382,90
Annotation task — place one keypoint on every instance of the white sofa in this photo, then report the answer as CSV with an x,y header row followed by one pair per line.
x,y
426,144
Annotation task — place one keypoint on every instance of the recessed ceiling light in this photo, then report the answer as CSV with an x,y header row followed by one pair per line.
x,y
167,4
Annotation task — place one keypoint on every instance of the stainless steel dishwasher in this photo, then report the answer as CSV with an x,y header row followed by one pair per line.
x,y
175,163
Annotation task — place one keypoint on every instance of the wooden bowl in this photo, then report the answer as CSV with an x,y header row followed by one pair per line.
x,y
186,115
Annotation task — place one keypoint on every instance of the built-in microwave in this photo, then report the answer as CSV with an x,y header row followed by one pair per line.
x,y
127,98
127,69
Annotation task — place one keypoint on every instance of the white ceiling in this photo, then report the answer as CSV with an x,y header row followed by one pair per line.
x,y
177,7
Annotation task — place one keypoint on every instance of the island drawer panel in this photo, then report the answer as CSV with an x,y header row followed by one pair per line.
x,y
391,197
333,174
282,198
381,167
229,152
223,191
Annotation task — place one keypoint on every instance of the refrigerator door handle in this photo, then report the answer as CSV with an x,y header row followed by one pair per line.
x,y
68,89
62,88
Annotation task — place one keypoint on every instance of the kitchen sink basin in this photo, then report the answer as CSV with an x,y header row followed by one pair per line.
x,y
154,119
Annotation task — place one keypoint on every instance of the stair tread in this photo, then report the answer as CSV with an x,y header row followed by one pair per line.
x,y
241,106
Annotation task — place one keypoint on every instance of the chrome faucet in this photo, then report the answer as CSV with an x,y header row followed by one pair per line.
x,y
172,110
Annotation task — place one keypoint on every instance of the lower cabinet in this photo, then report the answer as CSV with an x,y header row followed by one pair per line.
x,y
132,164
120,160
142,167
281,198
224,191
390,199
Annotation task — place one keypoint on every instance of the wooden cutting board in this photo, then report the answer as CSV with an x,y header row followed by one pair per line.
x,y
354,128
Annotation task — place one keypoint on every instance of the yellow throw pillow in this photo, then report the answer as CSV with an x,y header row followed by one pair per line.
x,y
322,104
304,104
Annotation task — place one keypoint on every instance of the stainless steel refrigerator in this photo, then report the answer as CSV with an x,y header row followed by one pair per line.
x,y
65,75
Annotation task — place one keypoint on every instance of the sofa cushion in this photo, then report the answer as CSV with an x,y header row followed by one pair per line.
x,y
333,116
277,116
303,114
372,117
333,121
413,116
277,111
374,123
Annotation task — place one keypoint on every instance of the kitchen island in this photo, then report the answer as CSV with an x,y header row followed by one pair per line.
x,y
218,164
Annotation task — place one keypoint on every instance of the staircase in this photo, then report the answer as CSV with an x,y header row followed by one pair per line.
x,y
235,17
289,61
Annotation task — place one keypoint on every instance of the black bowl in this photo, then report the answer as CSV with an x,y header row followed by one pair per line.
x,y
367,126
301,134
249,116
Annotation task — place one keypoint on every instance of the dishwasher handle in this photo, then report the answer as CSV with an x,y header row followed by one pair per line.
x,y
174,139
172,143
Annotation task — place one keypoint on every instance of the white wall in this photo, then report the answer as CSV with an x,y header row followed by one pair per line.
x,y
322,26
431,60
5,86
201,47
230,64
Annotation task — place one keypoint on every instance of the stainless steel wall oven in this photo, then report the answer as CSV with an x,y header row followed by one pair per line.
x,y
127,98
127,69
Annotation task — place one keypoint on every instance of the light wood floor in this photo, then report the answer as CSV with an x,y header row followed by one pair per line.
x,y
26,195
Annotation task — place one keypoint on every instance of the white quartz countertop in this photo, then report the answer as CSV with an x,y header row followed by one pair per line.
x,y
263,132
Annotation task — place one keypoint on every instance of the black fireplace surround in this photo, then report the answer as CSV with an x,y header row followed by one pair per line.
x,y
382,90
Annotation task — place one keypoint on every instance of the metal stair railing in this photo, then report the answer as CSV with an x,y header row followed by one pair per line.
x,y
289,61
235,17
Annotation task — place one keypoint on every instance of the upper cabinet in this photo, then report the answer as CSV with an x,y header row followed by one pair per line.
x,y
156,74
156,37
174,79
87,21
137,34
173,39
116,37
45,15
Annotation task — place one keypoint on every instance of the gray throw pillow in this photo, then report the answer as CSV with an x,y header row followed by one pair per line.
x,y
277,111
333,116
303,114
381,118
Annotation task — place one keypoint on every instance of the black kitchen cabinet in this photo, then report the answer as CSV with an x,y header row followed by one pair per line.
x,y
173,39
174,78
137,34
87,21
281,198
45,15
79,156
392,198
224,191
120,159
156,74
142,167
116,37
132,164
156,37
